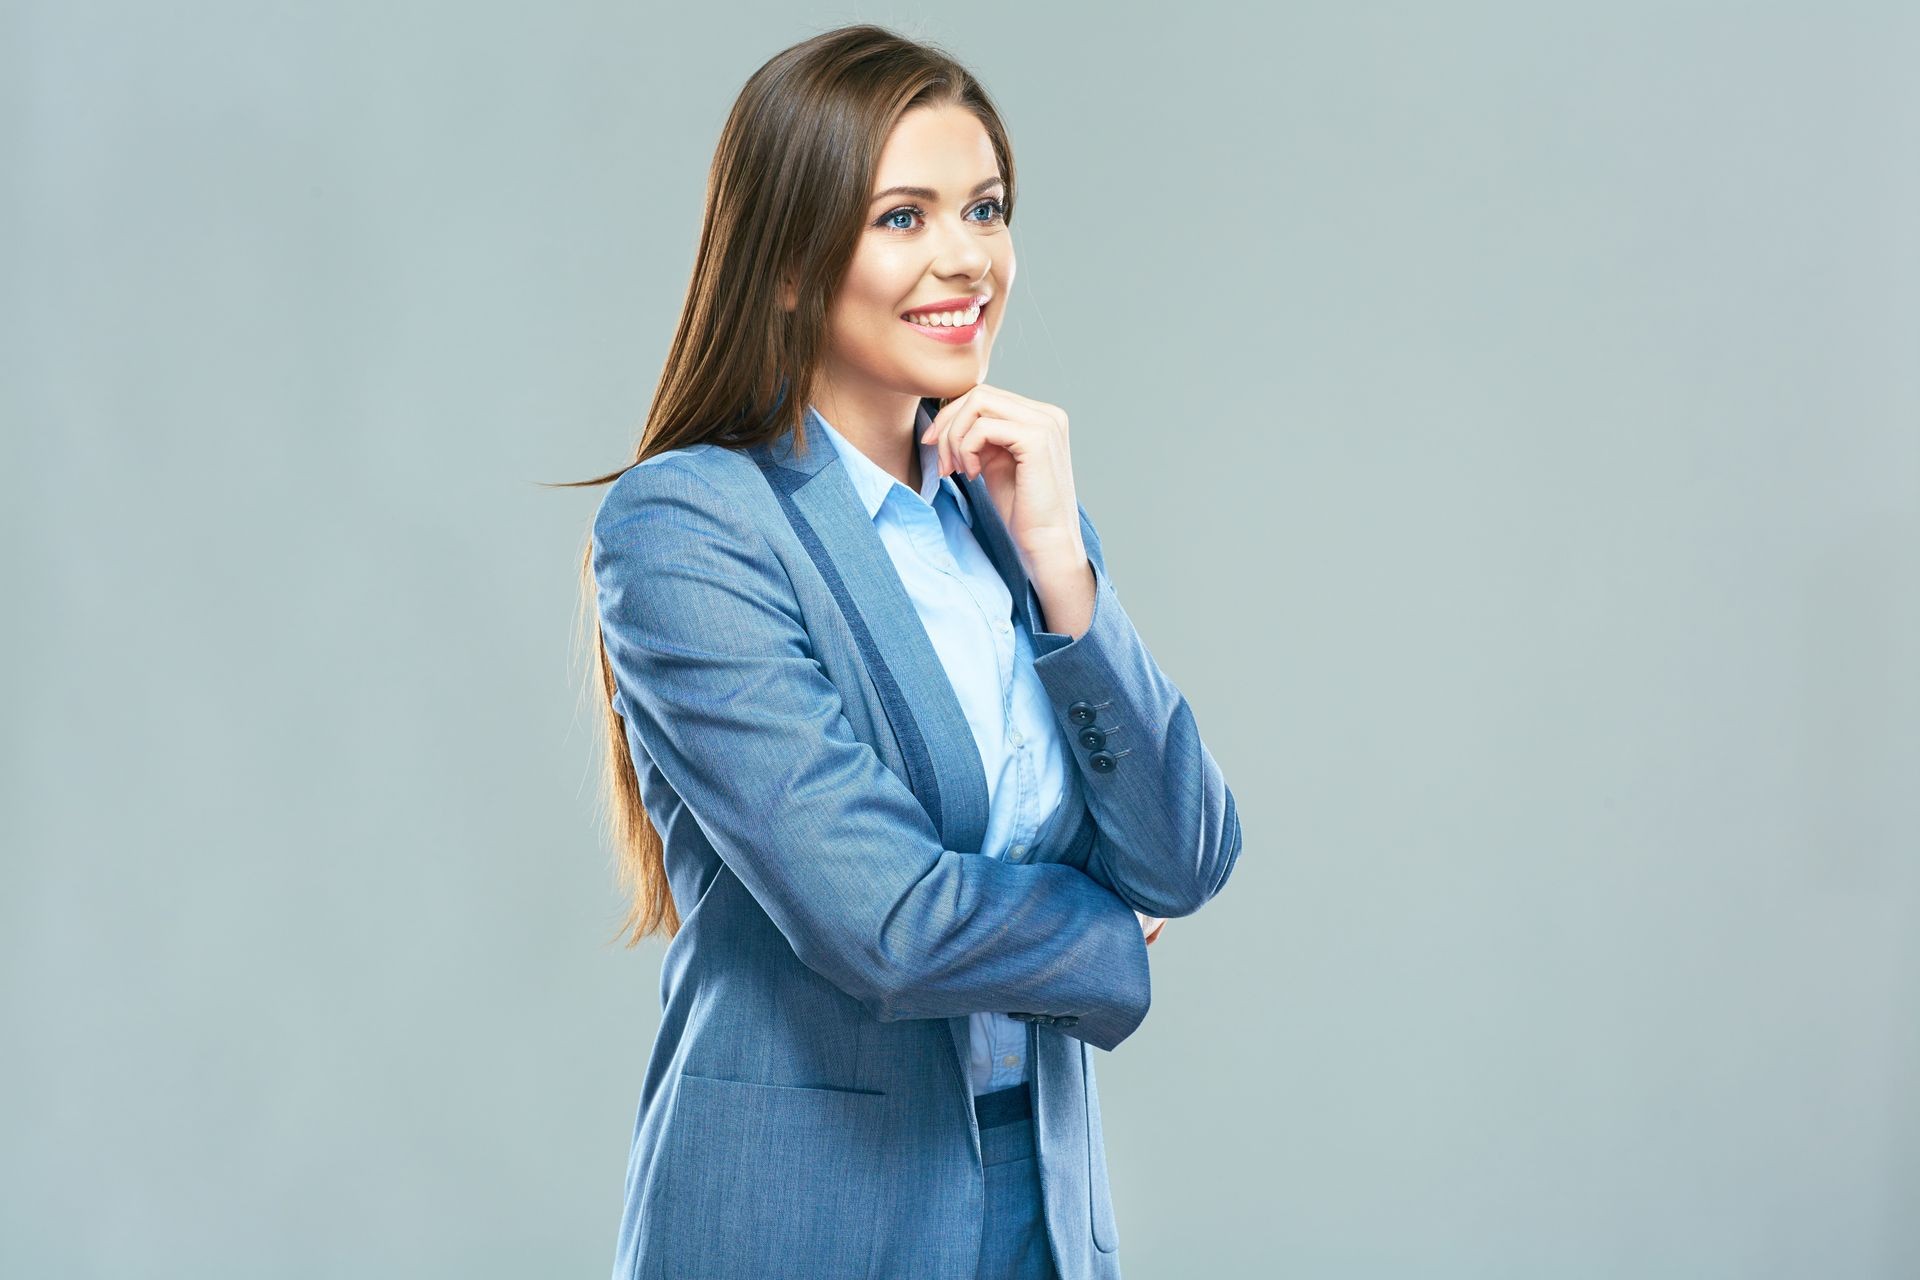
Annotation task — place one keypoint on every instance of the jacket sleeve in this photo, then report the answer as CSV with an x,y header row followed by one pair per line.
x,y
1168,833
714,668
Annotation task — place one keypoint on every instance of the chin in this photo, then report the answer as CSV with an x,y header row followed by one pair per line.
x,y
950,384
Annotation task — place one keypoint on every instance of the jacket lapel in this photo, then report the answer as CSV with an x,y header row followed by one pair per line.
x,y
943,763
994,539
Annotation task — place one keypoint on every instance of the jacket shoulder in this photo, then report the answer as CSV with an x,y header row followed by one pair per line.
x,y
724,474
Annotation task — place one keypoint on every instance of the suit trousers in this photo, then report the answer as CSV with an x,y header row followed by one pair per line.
x,y
1013,1240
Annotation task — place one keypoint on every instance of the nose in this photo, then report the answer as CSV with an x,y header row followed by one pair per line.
x,y
961,254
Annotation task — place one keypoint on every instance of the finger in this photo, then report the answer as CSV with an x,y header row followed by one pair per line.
x,y
990,426
1011,404
940,431
958,414
951,430
961,445
957,425
966,443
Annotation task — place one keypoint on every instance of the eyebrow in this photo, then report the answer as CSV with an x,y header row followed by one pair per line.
x,y
928,193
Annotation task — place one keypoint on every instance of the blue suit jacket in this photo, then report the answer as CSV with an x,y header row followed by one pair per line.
x,y
807,1109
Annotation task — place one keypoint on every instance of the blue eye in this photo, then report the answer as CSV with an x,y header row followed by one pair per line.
x,y
886,220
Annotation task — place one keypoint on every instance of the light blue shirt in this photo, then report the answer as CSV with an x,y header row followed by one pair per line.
x,y
968,613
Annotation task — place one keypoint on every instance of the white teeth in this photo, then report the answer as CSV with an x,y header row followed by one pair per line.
x,y
945,319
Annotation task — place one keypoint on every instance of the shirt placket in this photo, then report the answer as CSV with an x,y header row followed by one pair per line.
x,y
1007,1036
1011,1037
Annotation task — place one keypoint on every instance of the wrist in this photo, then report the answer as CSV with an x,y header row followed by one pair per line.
x,y
1065,590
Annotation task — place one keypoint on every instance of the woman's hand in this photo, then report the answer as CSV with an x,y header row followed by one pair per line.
x,y
1019,446
1151,925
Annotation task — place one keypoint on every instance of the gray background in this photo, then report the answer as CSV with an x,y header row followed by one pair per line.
x,y
1501,422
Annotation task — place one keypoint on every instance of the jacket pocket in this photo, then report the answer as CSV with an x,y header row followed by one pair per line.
x,y
1106,1233
764,1180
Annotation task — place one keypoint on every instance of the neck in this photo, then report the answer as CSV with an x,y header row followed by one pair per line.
x,y
879,423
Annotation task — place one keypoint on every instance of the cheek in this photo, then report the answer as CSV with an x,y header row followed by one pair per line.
x,y
866,331
865,315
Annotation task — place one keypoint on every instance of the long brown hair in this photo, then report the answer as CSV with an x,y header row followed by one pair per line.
x,y
786,199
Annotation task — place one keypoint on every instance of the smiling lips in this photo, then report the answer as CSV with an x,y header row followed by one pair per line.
x,y
948,310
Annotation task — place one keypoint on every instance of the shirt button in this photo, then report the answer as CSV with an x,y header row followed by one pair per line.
x,y
1017,850
1010,1061
1019,739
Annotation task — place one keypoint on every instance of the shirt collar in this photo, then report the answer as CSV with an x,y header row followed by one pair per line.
x,y
873,484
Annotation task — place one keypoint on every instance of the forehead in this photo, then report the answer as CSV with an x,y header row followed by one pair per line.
x,y
946,148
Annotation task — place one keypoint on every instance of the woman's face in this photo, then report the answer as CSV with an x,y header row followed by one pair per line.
x,y
917,250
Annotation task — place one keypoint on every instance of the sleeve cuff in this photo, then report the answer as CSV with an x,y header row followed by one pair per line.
x,y
1047,642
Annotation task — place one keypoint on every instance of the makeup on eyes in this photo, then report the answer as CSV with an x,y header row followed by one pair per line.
x,y
999,216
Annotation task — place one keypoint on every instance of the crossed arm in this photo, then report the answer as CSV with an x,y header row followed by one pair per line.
x,y
714,670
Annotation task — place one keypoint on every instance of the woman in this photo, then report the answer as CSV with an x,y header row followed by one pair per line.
x,y
890,766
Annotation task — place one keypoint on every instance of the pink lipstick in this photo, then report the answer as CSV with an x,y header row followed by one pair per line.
x,y
954,335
